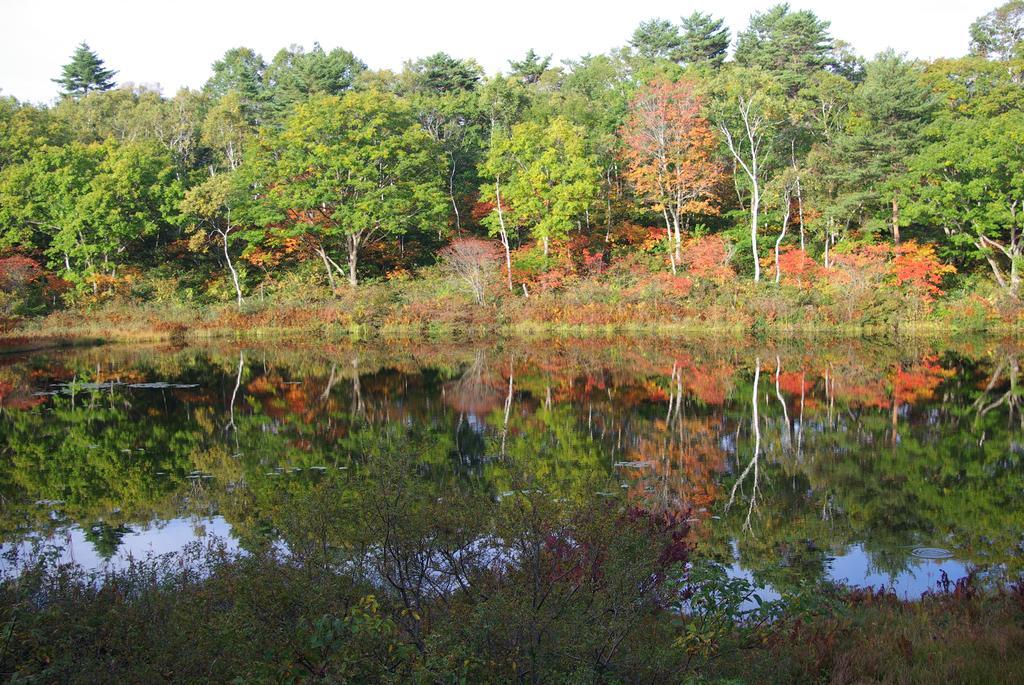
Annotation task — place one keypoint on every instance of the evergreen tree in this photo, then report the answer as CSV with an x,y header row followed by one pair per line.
x,y
704,39
657,39
294,74
531,67
890,111
441,73
241,71
792,45
85,73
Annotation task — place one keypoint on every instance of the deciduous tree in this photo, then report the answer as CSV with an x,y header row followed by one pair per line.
x,y
669,153
354,170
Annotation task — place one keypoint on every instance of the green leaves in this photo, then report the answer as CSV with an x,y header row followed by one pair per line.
x,y
547,178
85,73
83,203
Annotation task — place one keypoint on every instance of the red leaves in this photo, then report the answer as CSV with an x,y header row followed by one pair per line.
x,y
918,266
18,271
797,267
708,257
909,265
669,149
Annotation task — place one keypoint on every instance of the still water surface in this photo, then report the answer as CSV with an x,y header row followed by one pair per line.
x,y
873,462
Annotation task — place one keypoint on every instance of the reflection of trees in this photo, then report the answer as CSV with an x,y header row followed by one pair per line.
x,y
814,461
753,466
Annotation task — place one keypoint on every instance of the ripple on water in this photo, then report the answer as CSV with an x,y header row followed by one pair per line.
x,y
932,553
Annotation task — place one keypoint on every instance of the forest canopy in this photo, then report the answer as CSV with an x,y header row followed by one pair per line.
x,y
694,157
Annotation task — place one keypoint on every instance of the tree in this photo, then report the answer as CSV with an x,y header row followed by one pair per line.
x,y
657,39
473,261
791,45
889,113
225,131
704,39
999,34
970,182
25,128
441,73
669,152
240,70
85,206
543,180
749,116
294,74
530,68
85,74
594,96
442,91
211,204
358,169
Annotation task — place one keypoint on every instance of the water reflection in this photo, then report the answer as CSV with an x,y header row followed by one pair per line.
x,y
795,461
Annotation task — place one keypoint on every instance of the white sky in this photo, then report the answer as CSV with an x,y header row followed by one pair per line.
x,y
174,43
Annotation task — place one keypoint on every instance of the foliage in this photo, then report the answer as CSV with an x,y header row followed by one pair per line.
x,y
85,74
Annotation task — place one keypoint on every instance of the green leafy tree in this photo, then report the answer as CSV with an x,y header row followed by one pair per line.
x,y
85,74
791,45
970,183
657,39
543,180
218,206
705,39
25,128
88,206
890,111
750,112
225,130
355,170
442,92
1000,33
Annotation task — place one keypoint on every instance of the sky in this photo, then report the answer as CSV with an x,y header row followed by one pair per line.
x,y
172,44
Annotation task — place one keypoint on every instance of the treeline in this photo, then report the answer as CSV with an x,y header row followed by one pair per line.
x,y
790,159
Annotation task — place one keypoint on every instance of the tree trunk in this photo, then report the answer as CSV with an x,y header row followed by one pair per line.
x,y
451,194
895,219
668,235
327,265
231,266
800,209
755,205
778,241
503,233
353,258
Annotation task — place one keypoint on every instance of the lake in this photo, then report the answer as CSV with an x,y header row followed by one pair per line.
x,y
882,462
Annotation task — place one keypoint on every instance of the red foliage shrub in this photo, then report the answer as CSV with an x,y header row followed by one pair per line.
x,y
796,266
17,272
708,257
909,264
480,210
919,266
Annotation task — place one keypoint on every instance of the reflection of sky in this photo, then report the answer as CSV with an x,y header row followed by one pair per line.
x,y
156,538
854,568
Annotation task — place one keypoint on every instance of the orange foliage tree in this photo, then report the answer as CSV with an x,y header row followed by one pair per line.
x,y
669,151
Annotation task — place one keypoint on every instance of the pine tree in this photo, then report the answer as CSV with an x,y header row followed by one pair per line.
x,y
790,44
704,39
85,73
889,113
656,39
